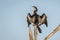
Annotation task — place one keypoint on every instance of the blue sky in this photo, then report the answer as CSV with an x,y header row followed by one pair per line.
x,y
13,22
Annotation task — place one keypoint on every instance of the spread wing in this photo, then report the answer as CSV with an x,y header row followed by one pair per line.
x,y
43,20
30,19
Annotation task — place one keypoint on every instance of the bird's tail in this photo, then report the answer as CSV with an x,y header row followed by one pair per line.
x,y
39,29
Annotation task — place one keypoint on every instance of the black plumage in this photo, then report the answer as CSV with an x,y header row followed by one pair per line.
x,y
36,19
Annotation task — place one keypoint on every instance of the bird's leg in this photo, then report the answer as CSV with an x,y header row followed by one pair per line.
x,y
35,32
30,34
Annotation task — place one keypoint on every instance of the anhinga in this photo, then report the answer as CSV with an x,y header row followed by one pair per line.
x,y
36,19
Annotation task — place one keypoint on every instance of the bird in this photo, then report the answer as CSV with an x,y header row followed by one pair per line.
x,y
37,19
